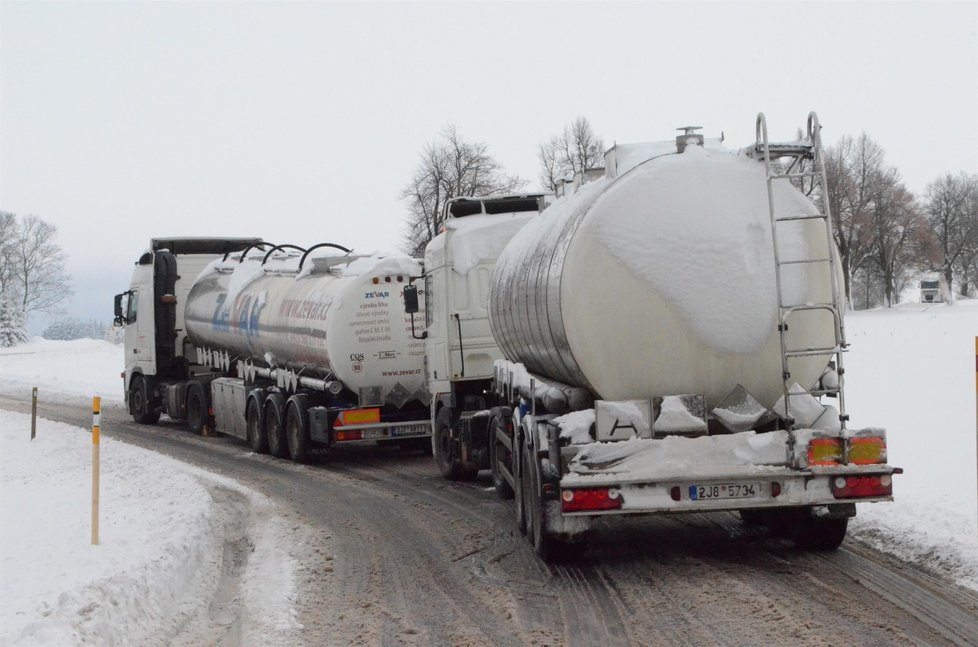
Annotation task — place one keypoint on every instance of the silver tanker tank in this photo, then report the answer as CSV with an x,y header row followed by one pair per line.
x,y
661,281
341,318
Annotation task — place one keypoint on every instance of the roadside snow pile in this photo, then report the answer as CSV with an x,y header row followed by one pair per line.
x,y
911,371
63,370
164,535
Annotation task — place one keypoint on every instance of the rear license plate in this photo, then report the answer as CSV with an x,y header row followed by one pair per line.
x,y
723,491
409,430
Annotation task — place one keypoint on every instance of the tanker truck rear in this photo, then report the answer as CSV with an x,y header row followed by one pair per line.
x,y
292,352
664,338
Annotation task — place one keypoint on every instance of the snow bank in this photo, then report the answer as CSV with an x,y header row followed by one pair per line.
x,y
63,369
160,555
911,370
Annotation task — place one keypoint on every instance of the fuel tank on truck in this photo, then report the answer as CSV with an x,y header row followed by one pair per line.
x,y
661,281
342,319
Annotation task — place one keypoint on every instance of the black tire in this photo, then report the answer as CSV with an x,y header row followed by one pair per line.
x,y
519,493
274,421
139,407
536,519
820,535
446,449
297,428
257,440
196,408
496,449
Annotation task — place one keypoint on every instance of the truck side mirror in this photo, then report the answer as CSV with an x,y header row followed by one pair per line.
x,y
410,299
119,319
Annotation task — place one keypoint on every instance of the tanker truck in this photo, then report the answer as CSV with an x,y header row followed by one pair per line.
x,y
292,352
665,337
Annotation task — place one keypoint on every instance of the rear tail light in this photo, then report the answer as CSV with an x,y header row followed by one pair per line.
x,y
590,499
775,489
854,487
348,435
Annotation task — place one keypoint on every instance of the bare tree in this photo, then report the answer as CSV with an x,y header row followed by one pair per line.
x,y
32,271
574,150
449,168
949,205
852,168
900,234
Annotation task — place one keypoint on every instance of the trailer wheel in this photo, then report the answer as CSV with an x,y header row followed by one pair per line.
x,y
278,446
446,449
297,428
196,407
257,440
536,519
820,534
139,402
497,449
519,493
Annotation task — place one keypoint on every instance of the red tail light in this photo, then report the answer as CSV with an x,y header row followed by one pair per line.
x,y
854,487
349,435
590,499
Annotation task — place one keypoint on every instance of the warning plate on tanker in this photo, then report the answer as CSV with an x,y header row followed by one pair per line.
x,y
723,491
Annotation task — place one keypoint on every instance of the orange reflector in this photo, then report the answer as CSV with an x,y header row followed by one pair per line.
x,y
376,280
824,451
357,417
867,450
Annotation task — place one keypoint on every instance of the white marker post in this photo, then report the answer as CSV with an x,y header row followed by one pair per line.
x,y
96,422
34,413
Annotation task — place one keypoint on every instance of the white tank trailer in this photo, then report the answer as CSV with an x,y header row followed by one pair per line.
x,y
291,352
646,326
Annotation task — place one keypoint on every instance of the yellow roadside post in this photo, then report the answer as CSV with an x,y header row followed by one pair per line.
x,y
96,422
33,413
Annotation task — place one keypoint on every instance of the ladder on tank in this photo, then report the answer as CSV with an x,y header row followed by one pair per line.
x,y
806,162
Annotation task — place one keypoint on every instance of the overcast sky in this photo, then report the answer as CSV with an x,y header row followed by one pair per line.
x,y
301,122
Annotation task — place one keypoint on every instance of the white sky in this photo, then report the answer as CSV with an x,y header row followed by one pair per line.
x,y
300,122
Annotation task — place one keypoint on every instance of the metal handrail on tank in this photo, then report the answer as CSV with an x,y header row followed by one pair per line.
x,y
317,246
277,247
244,251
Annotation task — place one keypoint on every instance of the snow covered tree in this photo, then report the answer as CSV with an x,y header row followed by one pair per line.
x,y
951,207
574,150
13,328
71,328
449,168
32,265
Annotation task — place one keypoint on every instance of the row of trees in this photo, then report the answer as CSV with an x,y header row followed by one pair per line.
x,y
32,273
886,235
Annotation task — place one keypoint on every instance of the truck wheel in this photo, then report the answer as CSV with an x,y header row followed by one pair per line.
x,y
196,407
519,493
297,428
278,446
820,534
139,402
257,440
536,519
446,449
497,450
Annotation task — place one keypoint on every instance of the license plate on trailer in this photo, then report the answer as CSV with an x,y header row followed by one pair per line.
x,y
409,430
723,491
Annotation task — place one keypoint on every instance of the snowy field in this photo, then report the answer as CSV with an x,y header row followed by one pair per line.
x,y
164,524
912,371
159,574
